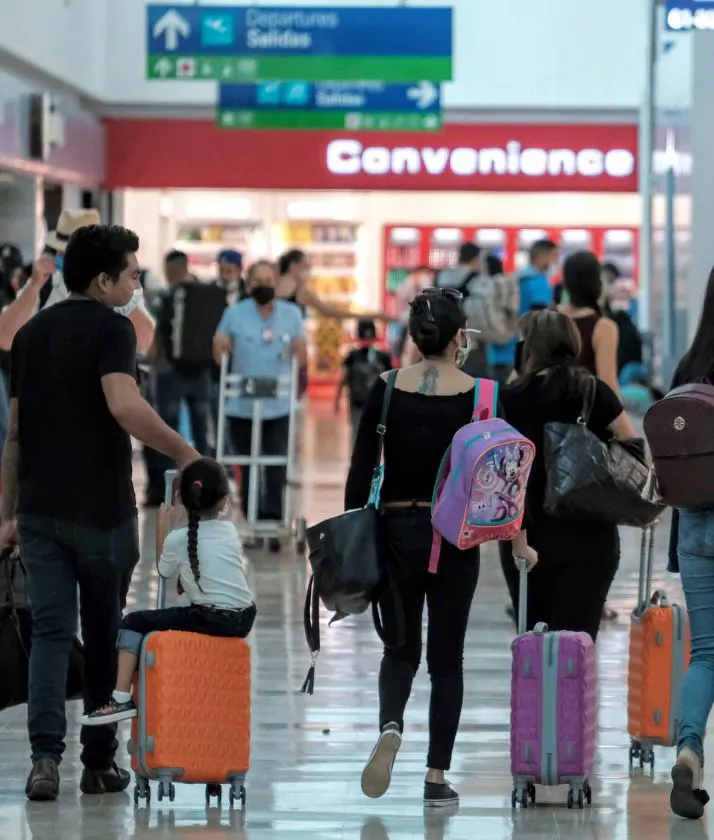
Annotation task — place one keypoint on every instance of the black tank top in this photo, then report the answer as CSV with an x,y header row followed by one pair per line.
x,y
586,327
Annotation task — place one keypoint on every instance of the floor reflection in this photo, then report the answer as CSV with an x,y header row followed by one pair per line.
x,y
308,751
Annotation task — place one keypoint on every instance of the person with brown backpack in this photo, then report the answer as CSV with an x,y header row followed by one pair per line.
x,y
678,430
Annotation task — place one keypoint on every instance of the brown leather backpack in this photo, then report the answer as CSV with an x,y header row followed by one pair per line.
x,y
680,434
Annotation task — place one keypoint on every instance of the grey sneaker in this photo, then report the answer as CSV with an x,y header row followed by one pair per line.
x,y
377,774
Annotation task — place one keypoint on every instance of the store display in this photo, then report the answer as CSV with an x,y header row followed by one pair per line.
x,y
201,241
407,248
335,262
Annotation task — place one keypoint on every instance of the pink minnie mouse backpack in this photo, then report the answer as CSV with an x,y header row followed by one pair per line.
x,y
480,490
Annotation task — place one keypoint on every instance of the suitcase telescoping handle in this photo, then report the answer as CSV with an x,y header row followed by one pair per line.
x,y
522,595
644,582
162,529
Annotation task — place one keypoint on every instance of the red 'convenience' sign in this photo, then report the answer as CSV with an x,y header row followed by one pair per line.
x,y
486,158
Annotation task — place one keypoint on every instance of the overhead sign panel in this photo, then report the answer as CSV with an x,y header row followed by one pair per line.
x,y
320,105
247,44
687,15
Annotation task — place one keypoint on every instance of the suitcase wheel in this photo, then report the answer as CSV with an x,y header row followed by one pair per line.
x,y
521,795
141,791
237,794
211,791
167,790
576,800
647,757
588,793
635,751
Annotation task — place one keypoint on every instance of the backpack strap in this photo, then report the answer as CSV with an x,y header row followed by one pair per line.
x,y
485,400
381,432
311,620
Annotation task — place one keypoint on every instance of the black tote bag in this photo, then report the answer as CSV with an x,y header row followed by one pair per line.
x,y
345,558
16,640
589,480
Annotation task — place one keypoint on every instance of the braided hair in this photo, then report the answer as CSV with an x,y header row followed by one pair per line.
x,y
204,487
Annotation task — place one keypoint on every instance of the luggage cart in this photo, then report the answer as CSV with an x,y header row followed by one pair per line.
x,y
259,388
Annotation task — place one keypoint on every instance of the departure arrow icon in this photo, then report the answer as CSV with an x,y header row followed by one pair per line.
x,y
424,94
163,67
171,26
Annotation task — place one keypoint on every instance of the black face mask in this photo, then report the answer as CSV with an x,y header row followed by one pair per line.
x,y
262,295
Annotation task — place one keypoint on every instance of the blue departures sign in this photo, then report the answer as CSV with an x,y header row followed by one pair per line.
x,y
688,15
245,44
339,105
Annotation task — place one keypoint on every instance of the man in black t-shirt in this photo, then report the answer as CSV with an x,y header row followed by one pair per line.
x,y
67,481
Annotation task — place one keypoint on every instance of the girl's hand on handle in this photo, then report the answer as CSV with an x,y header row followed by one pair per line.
x,y
527,554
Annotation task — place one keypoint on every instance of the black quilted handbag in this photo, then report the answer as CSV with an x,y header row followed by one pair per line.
x,y
589,480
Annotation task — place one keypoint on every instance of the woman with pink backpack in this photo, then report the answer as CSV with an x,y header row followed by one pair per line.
x,y
431,401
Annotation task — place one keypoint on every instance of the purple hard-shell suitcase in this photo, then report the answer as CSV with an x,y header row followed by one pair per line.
x,y
553,709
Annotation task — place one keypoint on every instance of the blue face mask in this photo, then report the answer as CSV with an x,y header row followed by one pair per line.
x,y
59,261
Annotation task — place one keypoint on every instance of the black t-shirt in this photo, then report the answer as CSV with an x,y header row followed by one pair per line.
x,y
420,429
530,403
75,459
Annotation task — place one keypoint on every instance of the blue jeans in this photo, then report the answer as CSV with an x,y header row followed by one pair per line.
x,y
210,621
172,389
60,557
696,565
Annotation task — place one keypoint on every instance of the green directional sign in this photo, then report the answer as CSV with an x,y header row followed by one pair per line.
x,y
352,106
252,43
229,69
339,120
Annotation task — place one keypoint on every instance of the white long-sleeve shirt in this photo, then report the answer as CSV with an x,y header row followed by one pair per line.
x,y
220,561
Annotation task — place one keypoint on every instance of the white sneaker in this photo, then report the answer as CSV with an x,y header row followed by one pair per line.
x,y
377,774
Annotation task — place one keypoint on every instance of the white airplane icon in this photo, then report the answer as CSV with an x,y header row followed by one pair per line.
x,y
218,24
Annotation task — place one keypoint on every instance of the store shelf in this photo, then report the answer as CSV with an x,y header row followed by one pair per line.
x,y
336,262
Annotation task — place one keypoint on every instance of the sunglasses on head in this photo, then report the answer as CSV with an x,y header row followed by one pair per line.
x,y
433,292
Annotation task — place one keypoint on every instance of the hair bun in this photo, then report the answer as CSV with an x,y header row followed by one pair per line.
x,y
427,338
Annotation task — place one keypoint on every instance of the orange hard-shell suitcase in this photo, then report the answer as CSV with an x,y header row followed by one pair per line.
x,y
659,658
193,698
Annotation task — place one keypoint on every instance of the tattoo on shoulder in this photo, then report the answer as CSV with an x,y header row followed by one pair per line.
x,y
429,381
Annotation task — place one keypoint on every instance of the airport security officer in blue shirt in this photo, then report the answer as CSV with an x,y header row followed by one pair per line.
x,y
263,335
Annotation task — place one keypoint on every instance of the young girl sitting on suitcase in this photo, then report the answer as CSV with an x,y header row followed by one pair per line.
x,y
208,557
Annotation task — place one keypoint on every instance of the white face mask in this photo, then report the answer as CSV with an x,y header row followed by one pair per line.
x,y
463,352
131,305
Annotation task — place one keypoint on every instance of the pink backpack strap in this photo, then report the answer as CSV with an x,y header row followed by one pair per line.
x,y
485,400
435,552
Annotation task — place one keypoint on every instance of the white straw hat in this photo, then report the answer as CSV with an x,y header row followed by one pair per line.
x,y
69,222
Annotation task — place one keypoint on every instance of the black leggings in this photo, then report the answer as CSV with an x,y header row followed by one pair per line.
x,y
568,588
406,541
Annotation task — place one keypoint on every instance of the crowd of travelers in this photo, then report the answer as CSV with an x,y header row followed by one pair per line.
x,y
71,329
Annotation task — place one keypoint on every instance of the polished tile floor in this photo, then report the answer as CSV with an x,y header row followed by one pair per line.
x,y
308,751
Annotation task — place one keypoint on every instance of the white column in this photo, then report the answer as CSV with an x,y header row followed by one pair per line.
x,y
702,181
20,214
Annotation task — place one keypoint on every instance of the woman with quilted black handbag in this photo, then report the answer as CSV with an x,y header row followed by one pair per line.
x,y
578,557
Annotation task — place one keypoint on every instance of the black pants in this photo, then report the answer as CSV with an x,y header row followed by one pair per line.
x,y
406,541
195,618
568,588
271,490
60,557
